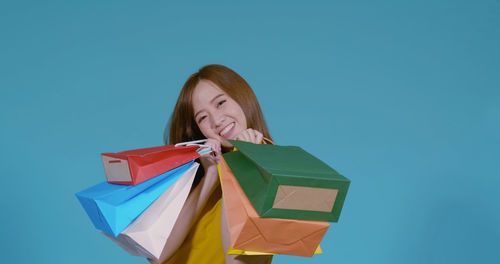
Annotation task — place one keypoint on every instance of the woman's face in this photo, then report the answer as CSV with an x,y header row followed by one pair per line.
x,y
218,116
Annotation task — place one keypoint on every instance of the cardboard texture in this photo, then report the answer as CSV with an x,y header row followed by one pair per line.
x,y
147,235
232,251
249,232
112,207
287,182
135,166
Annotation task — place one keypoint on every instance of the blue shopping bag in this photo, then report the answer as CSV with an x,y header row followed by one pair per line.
x,y
112,207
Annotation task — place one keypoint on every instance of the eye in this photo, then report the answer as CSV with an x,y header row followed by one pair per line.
x,y
201,119
221,103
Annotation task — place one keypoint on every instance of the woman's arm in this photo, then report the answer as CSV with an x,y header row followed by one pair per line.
x,y
190,213
197,200
194,203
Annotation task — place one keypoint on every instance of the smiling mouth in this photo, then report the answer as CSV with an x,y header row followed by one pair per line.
x,y
227,131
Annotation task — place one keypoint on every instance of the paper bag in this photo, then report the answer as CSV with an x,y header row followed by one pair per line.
x,y
112,207
147,235
250,232
135,166
232,251
287,182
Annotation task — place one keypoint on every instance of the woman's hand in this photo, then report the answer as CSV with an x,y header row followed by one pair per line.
x,y
210,160
250,135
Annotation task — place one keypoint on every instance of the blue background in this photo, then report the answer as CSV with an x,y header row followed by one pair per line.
x,y
402,97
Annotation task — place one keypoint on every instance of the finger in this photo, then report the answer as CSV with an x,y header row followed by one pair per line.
x,y
214,158
244,136
255,135
215,145
217,159
251,134
258,137
210,159
217,148
212,150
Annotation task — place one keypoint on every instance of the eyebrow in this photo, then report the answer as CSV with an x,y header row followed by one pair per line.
x,y
211,101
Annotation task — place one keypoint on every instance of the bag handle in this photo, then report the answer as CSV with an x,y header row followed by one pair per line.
x,y
191,143
267,141
202,149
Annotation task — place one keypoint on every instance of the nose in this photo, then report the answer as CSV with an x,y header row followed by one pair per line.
x,y
218,118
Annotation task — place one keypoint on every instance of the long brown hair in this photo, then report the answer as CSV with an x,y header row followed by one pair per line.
x,y
182,125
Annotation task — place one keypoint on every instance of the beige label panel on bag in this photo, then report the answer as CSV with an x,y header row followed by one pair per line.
x,y
116,169
305,198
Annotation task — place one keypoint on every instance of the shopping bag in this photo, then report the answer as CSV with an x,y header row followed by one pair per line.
x,y
287,182
112,207
147,235
232,251
135,166
202,243
249,232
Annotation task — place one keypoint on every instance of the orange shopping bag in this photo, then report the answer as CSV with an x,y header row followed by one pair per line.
x,y
250,232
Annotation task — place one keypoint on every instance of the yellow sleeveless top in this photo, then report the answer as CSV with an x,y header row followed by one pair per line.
x,y
203,243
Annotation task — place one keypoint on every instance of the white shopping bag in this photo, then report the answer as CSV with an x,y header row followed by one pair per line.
x,y
147,235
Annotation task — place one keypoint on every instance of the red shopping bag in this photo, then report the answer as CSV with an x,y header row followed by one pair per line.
x,y
132,167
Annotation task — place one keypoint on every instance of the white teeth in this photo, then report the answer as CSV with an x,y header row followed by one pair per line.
x,y
226,129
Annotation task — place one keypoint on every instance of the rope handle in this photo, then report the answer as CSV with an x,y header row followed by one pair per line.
x,y
202,148
190,143
267,141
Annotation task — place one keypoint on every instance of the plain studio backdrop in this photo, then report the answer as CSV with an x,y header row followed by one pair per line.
x,y
402,97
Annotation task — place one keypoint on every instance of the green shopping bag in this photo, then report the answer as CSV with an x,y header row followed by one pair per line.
x,y
287,182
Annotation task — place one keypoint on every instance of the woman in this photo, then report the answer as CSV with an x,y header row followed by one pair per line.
x,y
217,104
